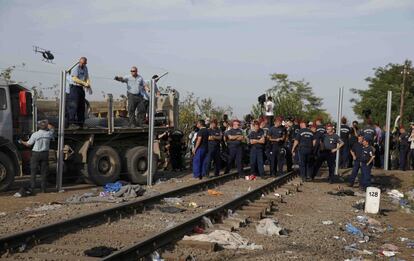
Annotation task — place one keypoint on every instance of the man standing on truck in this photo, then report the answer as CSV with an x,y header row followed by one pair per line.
x,y
76,97
136,94
40,140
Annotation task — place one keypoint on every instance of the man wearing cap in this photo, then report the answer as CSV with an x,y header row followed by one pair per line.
x,y
136,94
356,152
213,154
404,148
330,144
40,140
277,136
367,157
305,141
234,138
257,141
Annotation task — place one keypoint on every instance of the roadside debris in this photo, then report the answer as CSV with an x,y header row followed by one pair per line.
x,y
353,230
207,222
387,253
113,187
192,205
213,192
269,227
100,251
3,214
327,222
170,209
48,207
225,239
395,194
360,204
389,247
173,201
23,192
36,215
342,193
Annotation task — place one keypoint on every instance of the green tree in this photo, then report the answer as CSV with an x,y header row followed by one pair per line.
x,y
6,73
188,113
387,78
293,98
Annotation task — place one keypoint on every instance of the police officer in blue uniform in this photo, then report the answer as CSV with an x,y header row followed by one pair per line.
x,y
290,138
213,154
320,128
330,144
356,152
257,140
404,148
366,159
345,136
200,150
234,138
304,140
277,136
369,131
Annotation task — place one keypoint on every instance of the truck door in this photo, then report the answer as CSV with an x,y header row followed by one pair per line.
x,y
6,125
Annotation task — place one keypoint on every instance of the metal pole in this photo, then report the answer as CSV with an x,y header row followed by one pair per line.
x,y
387,134
110,113
151,133
61,132
34,110
338,125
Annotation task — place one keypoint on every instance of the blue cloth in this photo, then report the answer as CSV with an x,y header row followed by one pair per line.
x,y
80,73
277,159
213,154
235,155
305,162
199,162
355,170
330,159
113,187
135,85
41,140
366,174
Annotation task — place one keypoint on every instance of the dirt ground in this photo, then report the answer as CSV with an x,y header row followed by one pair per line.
x,y
310,239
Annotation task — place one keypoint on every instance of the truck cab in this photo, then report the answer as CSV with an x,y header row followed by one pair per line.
x,y
15,122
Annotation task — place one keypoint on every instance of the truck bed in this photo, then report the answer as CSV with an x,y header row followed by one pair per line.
x,y
117,130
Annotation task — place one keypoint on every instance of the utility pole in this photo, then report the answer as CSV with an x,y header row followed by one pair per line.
x,y
404,74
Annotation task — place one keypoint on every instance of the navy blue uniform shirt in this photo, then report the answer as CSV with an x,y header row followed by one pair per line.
x,y
367,153
233,132
357,149
321,129
276,133
203,133
257,136
369,131
345,132
330,141
215,133
305,138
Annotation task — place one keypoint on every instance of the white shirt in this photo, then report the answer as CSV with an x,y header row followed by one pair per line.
x,y
269,106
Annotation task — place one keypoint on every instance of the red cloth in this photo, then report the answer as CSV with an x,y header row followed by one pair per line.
x,y
22,103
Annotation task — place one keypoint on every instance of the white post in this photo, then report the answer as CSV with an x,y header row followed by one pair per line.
x,y
338,125
151,132
61,132
387,134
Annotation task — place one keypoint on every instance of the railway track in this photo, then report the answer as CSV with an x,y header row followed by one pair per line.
x,y
137,228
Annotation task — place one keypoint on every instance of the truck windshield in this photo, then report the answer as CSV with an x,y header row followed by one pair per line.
x,y
3,101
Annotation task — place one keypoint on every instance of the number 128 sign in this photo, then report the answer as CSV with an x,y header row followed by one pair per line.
x,y
372,200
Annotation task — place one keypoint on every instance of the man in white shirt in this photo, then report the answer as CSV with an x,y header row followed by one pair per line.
x,y
269,108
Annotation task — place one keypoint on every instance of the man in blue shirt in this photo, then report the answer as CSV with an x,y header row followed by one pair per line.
x,y
305,141
40,140
136,96
213,154
257,141
234,138
277,136
200,150
76,98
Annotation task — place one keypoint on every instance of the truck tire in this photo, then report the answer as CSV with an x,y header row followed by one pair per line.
x,y
137,164
104,165
6,172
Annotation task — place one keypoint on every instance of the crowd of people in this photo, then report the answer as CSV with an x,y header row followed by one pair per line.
x,y
286,143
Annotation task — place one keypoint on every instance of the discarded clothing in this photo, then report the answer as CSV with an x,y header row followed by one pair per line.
x,y
353,230
269,227
100,251
213,192
342,193
225,239
113,187
90,198
130,191
173,201
170,209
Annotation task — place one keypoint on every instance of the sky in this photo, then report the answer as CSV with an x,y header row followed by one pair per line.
x,y
223,49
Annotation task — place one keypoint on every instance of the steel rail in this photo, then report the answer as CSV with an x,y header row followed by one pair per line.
x,y
54,230
152,243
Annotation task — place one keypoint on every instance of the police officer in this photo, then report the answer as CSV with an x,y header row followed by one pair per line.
x,y
366,159
404,148
319,126
277,135
330,144
345,134
76,98
213,154
257,141
234,138
304,140
290,137
200,150
40,140
356,152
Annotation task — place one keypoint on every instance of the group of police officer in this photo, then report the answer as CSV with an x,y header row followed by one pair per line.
x,y
283,143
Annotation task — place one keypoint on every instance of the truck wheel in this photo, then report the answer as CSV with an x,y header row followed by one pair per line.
x,y
104,165
6,172
137,164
